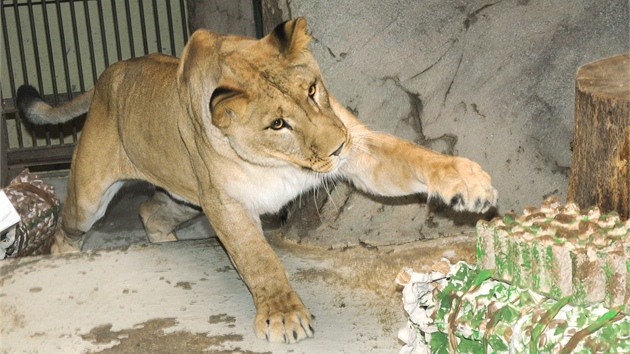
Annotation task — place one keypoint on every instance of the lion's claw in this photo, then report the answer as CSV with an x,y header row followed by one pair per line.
x,y
283,319
464,186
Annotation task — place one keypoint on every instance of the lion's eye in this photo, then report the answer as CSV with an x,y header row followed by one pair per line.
x,y
277,124
311,91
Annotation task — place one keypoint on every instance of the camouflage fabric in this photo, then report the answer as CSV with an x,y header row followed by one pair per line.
x,y
460,309
38,207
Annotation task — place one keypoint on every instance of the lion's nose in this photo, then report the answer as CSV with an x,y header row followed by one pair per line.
x,y
338,151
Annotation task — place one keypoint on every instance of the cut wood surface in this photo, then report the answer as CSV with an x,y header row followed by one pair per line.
x,y
600,175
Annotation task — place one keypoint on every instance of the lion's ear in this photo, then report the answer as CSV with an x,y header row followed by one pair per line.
x,y
197,74
290,37
226,104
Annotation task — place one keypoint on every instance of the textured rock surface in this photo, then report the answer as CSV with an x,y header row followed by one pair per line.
x,y
223,16
342,217
492,81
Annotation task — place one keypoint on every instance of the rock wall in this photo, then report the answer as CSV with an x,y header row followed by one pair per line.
x,y
222,16
489,80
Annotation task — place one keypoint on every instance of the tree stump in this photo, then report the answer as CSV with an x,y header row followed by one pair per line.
x,y
600,171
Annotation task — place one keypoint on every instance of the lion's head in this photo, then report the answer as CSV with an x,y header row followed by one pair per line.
x,y
266,97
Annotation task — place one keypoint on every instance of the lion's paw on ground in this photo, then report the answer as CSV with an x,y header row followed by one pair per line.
x,y
283,319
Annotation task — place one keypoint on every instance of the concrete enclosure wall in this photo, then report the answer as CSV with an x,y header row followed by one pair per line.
x,y
492,81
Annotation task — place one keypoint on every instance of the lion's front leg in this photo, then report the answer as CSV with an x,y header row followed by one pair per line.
x,y
389,166
281,316
386,165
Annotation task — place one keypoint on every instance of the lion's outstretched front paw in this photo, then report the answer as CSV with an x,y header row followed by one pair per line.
x,y
283,319
464,186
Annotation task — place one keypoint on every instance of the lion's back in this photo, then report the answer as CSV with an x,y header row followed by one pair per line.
x,y
136,105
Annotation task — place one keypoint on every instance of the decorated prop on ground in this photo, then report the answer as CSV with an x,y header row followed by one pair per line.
x,y
466,311
560,251
554,280
38,208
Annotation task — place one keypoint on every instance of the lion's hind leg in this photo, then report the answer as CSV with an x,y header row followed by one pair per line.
x,y
99,169
161,214
85,204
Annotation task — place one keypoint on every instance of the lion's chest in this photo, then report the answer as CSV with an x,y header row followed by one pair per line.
x,y
267,190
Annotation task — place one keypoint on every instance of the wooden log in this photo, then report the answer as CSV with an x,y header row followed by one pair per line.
x,y
600,172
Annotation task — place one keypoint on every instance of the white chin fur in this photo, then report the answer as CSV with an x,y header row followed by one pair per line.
x,y
266,190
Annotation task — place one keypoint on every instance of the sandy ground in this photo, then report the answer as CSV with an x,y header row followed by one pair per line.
x,y
125,295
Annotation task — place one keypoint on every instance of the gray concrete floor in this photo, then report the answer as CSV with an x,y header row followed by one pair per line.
x,y
125,295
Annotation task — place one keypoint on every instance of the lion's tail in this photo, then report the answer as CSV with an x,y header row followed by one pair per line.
x,y
39,112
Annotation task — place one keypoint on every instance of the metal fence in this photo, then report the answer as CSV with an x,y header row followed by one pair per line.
x,y
60,47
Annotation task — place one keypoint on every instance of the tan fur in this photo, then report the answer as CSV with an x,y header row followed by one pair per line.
x,y
200,127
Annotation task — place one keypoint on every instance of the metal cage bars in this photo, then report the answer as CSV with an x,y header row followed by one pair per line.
x,y
68,24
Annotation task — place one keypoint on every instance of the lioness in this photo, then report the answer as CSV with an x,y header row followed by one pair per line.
x,y
238,127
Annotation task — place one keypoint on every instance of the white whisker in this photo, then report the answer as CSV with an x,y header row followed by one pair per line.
x,y
315,192
327,189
